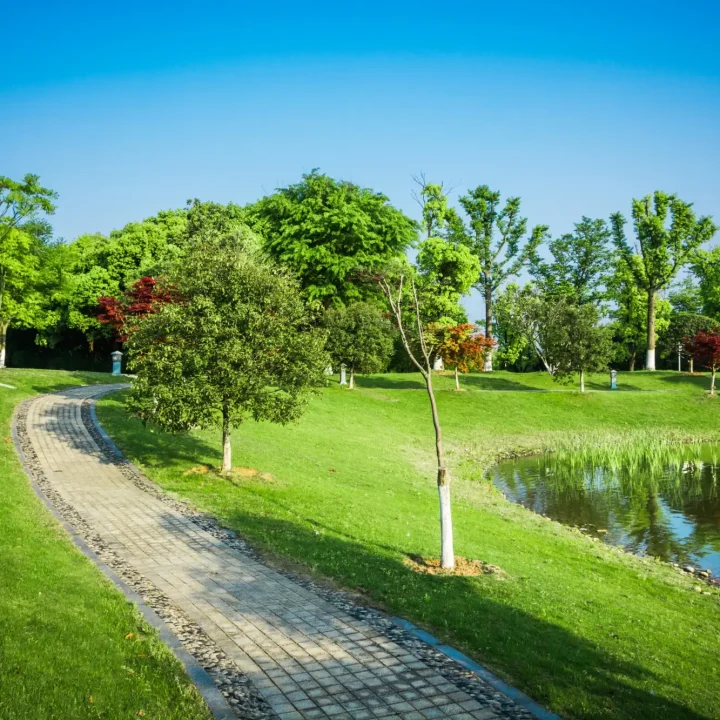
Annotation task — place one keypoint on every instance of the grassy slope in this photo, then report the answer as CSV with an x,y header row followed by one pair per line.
x,y
63,627
591,632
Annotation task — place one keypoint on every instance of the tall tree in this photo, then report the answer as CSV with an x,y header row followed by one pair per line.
x,y
398,286
705,348
682,327
578,262
685,296
706,267
572,340
325,229
667,234
497,235
513,327
238,343
359,336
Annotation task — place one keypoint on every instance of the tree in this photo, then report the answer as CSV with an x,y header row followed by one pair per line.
x,y
705,348
447,271
571,339
324,230
629,314
462,347
20,301
23,206
683,326
685,297
238,342
513,329
393,284
668,234
143,298
497,236
578,263
706,266
360,337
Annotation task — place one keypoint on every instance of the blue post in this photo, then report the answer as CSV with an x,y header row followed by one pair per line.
x,y
116,362
613,379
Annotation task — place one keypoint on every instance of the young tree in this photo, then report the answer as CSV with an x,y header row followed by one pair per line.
x,y
578,263
420,354
668,234
238,342
359,336
513,329
682,327
571,339
324,230
705,348
497,236
462,347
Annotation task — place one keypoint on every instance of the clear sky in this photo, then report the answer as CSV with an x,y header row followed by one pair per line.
x,y
129,108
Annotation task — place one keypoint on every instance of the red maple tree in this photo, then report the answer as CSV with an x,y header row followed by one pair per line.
x,y
463,347
140,300
705,348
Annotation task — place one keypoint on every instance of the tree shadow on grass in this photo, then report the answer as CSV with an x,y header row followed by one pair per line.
x,y
556,667
474,381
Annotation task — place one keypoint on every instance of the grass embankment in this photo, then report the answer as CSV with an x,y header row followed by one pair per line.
x,y
71,646
589,631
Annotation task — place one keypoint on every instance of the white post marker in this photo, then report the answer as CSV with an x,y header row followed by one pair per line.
x,y
613,379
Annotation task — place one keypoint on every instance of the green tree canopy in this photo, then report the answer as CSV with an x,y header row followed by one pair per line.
x,y
359,336
325,229
578,263
24,206
668,235
497,235
706,267
239,343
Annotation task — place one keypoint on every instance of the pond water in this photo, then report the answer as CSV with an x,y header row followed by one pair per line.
x,y
665,504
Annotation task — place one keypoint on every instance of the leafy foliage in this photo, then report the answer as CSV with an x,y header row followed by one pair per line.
x,y
238,343
578,263
462,347
705,348
359,336
324,230
24,205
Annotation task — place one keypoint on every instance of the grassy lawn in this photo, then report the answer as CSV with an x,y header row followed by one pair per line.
x,y
589,631
71,646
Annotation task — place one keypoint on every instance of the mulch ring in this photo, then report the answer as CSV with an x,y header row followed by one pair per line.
x,y
463,567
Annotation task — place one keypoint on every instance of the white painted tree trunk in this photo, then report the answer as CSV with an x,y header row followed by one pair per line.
x,y
438,364
582,381
692,364
457,378
227,448
712,382
650,359
3,344
487,366
343,377
352,378
447,559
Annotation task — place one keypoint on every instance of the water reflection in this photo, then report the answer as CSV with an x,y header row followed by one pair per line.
x,y
664,502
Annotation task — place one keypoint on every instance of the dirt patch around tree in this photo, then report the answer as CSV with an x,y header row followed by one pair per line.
x,y
463,567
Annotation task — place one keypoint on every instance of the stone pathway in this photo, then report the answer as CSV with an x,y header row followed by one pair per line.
x,y
300,655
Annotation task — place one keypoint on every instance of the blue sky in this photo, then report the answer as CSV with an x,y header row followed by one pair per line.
x,y
130,108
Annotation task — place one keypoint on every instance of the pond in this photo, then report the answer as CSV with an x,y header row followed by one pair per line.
x,y
664,503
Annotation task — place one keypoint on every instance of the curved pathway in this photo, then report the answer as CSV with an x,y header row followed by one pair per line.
x,y
276,646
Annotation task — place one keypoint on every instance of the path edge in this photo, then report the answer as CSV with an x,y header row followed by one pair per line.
x,y
517,696
213,698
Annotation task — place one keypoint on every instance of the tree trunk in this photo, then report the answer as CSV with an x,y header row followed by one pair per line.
x,y
633,357
582,381
447,553
650,364
352,378
457,378
227,448
691,364
712,381
488,328
3,343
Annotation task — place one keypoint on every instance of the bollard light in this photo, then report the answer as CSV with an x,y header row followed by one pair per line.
x,y
116,362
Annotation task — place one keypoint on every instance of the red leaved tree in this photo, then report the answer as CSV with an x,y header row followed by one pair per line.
x,y
463,347
705,348
140,300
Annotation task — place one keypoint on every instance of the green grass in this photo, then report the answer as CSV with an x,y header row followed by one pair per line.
x,y
65,653
586,630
